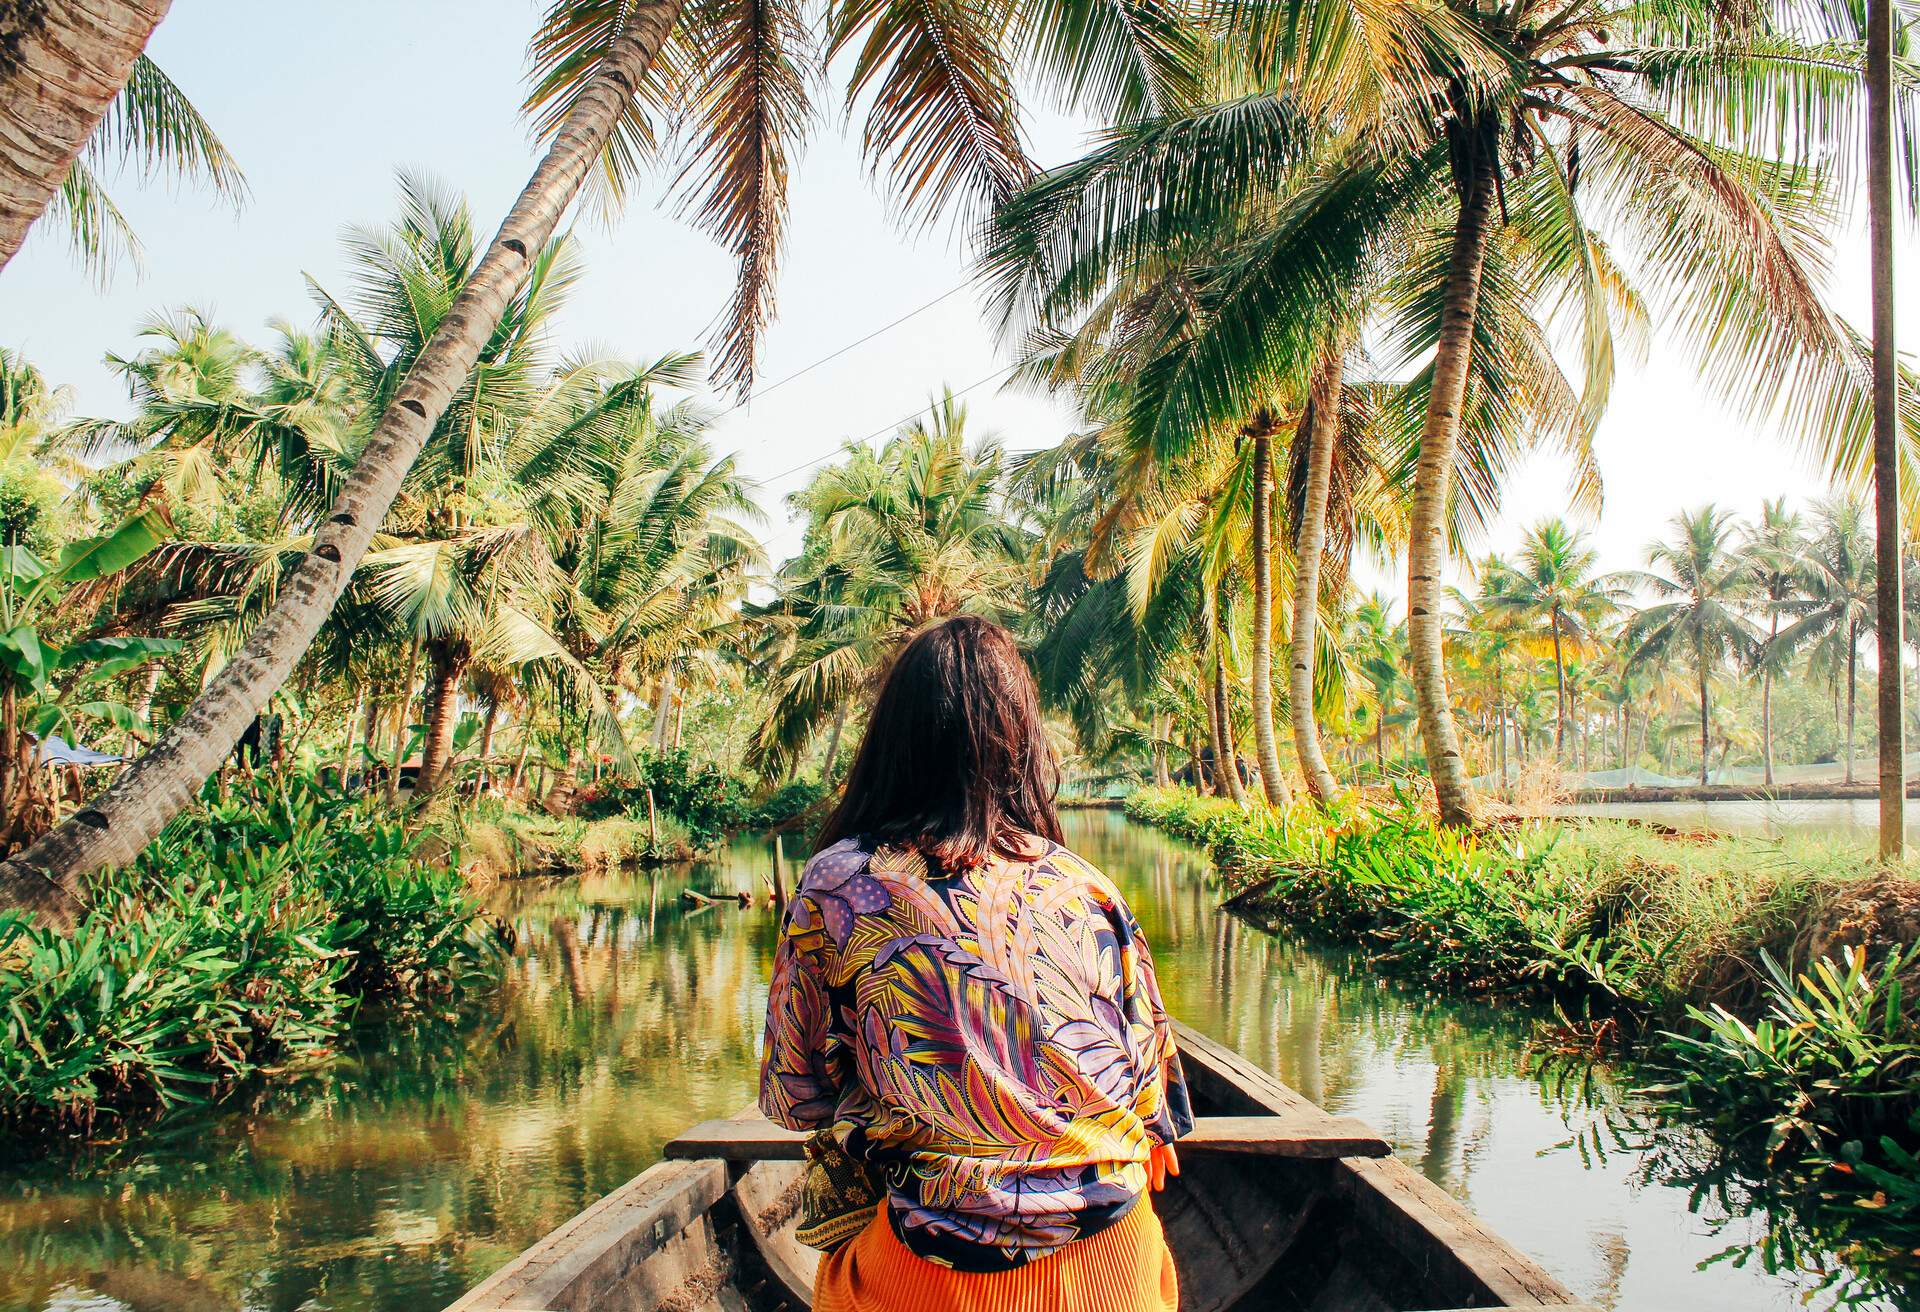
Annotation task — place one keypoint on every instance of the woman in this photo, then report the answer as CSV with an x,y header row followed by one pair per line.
x,y
972,1010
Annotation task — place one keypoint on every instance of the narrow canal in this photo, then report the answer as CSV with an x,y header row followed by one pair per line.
x,y
402,1175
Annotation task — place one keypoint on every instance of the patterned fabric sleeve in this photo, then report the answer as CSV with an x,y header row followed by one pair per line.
x,y
799,1087
1174,1117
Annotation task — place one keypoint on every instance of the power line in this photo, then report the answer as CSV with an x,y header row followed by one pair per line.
x,y
828,359
884,429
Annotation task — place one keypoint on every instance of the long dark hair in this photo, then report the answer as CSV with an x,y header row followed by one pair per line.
x,y
955,761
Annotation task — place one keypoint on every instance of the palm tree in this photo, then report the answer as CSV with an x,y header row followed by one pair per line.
x,y
64,62
1707,581
1887,501
1553,584
1273,781
1378,645
152,125
1775,549
1839,590
1554,136
942,120
895,540
1491,640
113,828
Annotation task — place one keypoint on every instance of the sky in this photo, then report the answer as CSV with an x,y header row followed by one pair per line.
x,y
322,104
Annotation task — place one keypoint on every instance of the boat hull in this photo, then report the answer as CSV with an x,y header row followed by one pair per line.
x,y
1298,1234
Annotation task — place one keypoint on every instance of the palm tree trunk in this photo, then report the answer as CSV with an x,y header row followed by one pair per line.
x,y
1888,535
346,748
10,764
1766,703
1506,733
1226,770
833,743
149,688
62,62
1559,692
447,665
486,744
398,757
1853,689
1272,782
1433,481
520,761
1161,776
1322,431
113,828
662,709
1702,663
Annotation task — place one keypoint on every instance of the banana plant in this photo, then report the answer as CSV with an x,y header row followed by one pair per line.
x,y
47,687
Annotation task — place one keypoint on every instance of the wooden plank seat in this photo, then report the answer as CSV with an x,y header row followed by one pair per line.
x,y
1277,1205
1294,1134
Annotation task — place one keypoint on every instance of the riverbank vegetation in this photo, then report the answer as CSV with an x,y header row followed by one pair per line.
x,y
247,939
1767,987
1313,299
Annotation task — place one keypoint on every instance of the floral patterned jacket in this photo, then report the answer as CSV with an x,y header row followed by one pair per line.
x,y
993,1040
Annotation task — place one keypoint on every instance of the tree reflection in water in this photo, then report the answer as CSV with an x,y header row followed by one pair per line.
x,y
406,1171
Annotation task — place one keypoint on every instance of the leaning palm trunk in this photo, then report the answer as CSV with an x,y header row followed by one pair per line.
x,y
833,744
346,748
1235,783
1322,430
1433,479
1888,536
662,708
113,828
1272,782
62,62
486,744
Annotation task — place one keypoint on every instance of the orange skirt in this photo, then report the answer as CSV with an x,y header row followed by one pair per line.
x,y
1124,1268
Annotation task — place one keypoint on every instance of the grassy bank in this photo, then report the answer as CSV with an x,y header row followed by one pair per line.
x,y
244,941
1633,924
1677,944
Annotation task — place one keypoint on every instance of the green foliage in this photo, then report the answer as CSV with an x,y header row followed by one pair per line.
x,y
789,802
1833,1057
1619,917
705,800
244,938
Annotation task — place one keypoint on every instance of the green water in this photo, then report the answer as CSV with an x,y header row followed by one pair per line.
x,y
400,1176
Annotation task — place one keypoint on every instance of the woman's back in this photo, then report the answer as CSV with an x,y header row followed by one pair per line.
x,y
992,1038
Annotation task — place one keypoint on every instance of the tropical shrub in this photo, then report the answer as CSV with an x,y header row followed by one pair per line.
x,y
1832,1061
705,800
245,937
789,802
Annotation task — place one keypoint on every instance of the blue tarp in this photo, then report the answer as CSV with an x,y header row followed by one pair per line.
x,y
58,751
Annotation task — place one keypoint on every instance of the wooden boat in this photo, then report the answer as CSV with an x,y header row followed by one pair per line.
x,y
1279,1205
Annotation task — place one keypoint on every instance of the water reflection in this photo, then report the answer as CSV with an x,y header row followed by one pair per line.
x,y
406,1172
1844,819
